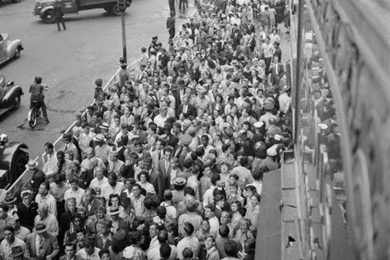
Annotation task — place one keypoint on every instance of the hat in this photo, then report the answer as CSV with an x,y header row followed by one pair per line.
x,y
25,192
272,151
104,125
179,181
40,227
17,251
99,137
278,137
258,124
31,165
114,211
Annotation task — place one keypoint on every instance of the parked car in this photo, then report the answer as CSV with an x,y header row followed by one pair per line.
x,y
45,8
10,95
8,1
9,49
13,158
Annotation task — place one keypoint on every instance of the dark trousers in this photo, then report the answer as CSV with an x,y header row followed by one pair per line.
x,y
42,106
183,5
60,21
171,33
44,110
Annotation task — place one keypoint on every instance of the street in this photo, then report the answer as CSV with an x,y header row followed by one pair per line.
x,y
69,61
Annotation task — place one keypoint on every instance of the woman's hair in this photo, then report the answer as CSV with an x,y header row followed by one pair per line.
x,y
113,196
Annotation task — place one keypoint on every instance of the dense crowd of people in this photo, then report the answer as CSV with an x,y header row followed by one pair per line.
x,y
168,163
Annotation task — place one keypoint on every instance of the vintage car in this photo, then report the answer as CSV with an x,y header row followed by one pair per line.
x,y
13,158
45,8
10,95
9,49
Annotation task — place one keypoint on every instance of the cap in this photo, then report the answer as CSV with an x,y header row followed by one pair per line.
x,y
272,151
40,227
31,164
179,181
99,137
258,124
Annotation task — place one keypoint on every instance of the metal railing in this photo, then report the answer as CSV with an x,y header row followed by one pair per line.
x,y
25,177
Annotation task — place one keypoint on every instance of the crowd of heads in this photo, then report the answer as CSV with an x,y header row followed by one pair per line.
x,y
168,163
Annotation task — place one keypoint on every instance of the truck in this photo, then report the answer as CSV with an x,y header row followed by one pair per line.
x,y
45,8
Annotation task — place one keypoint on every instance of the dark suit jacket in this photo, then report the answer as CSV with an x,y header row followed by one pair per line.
x,y
48,246
191,111
27,214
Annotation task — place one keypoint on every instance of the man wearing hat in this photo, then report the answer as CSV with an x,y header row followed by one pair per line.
x,y
27,208
271,160
37,175
9,242
102,149
117,223
40,244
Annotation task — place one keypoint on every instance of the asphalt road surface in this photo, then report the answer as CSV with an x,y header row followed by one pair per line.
x,y
69,61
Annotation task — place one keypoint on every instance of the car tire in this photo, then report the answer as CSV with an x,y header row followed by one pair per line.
x,y
17,100
115,10
17,52
48,16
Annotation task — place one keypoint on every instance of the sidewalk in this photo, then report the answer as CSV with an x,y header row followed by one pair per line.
x,y
269,228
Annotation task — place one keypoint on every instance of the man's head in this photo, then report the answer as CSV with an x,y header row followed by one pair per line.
x,y
90,245
43,189
9,234
70,250
112,178
210,242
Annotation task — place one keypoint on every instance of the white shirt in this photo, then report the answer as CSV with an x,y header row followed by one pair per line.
x,y
208,197
77,194
98,184
50,164
214,226
82,254
49,200
159,120
107,189
284,102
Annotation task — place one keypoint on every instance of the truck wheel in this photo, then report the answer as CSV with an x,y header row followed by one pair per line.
x,y
115,10
48,16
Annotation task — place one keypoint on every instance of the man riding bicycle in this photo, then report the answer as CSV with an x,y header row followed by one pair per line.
x,y
37,96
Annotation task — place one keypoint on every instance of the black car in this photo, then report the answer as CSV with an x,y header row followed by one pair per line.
x,y
10,95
